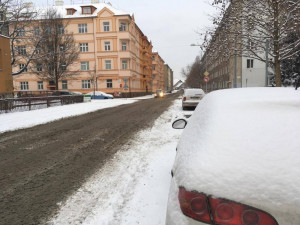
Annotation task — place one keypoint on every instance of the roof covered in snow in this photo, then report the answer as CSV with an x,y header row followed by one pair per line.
x,y
62,10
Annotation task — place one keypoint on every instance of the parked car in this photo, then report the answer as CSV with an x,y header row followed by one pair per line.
x,y
159,94
100,95
191,97
238,160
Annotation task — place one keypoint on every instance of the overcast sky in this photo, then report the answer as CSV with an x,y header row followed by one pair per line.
x,y
171,25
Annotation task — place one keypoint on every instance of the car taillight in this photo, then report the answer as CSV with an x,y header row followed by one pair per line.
x,y
184,98
221,211
194,205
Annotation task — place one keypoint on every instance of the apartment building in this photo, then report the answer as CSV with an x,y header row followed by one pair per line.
x,y
158,72
168,78
115,55
6,80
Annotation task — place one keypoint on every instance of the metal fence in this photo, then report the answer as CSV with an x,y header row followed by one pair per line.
x,y
32,103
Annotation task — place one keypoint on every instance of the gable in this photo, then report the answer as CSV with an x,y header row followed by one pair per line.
x,y
105,12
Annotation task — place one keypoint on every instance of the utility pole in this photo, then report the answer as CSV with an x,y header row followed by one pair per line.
x,y
267,63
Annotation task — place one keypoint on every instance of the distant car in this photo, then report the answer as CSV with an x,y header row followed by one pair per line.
x,y
191,97
238,160
159,94
100,95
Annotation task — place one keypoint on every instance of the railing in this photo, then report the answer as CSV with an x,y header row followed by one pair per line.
x,y
32,103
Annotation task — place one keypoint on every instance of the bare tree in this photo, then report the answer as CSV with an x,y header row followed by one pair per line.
x,y
195,74
57,49
17,21
243,27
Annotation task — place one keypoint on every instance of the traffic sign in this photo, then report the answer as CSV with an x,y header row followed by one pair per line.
x,y
206,73
206,79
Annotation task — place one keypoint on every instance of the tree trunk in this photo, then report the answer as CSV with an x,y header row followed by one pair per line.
x,y
276,43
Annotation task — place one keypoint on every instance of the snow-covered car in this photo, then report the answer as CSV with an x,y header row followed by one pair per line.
x,y
238,160
100,95
192,97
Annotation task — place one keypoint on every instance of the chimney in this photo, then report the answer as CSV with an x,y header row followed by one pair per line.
x,y
59,2
95,1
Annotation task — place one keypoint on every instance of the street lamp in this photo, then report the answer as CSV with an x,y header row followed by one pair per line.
x,y
206,73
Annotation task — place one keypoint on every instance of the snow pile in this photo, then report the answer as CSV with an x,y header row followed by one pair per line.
x,y
132,188
243,145
17,120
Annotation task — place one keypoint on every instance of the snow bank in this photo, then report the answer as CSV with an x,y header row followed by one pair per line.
x,y
18,120
243,145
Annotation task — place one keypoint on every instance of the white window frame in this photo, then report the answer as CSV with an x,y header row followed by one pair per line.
x,y
84,66
250,63
124,46
40,85
82,28
24,85
86,10
107,45
21,66
123,26
84,47
61,29
21,49
106,26
108,64
64,84
109,83
86,84
124,64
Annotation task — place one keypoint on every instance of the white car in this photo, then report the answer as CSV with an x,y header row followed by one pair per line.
x,y
238,160
100,95
191,97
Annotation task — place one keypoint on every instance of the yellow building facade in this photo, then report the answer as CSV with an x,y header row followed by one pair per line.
x,y
158,71
115,55
6,80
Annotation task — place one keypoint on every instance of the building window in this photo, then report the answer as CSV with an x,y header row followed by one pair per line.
x,y
40,85
61,29
250,63
63,67
69,12
36,31
24,85
82,28
109,83
1,16
153,67
124,64
21,66
84,66
86,84
106,26
124,46
21,31
39,67
86,10
107,46
64,84
21,49
84,47
123,27
108,64
153,58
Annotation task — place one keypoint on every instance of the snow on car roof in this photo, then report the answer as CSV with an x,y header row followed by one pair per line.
x,y
244,145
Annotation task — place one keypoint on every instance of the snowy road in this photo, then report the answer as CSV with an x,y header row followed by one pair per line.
x,y
38,173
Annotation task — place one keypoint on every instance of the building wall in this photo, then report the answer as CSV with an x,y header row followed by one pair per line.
x,y
6,83
158,72
136,78
168,78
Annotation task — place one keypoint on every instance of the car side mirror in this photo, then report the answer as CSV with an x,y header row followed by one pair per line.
x,y
179,124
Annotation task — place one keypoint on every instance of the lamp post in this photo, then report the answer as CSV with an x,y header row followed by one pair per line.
x,y
206,72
